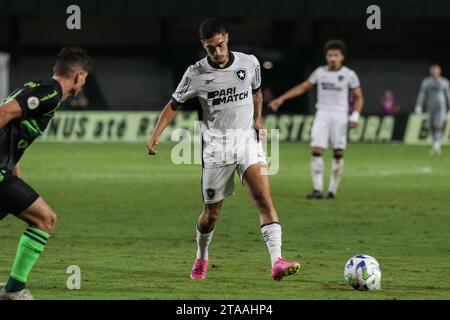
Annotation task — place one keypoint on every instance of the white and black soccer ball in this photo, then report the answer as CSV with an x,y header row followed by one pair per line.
x,y
363,272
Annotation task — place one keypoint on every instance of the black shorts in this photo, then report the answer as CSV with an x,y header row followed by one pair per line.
x,y
15,196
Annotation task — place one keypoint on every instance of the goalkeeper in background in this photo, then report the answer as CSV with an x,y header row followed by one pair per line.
x,y
434,97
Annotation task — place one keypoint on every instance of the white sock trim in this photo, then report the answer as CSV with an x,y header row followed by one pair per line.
x,y
337,168
203,241
317,173
272,236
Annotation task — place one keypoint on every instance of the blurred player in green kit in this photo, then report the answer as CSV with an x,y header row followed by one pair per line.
x,y
24,116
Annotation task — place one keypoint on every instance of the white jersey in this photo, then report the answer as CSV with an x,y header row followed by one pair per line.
x,y
225,95
333,87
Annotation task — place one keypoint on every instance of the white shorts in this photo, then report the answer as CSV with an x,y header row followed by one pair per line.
x,y
329,126
218,182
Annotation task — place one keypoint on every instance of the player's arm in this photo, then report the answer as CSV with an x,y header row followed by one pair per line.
x,y
447,96
165,118
16,170
257,114
8,112
256,81
294,92
184,92
420,97
358,101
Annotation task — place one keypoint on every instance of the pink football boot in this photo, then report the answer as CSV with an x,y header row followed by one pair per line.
x,y
199,269
281,268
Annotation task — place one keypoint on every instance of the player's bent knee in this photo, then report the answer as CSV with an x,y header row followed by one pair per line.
x,y
316,152
338,153
213,215
47,221
212,212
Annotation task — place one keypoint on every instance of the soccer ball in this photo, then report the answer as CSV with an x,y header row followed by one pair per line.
x,y
363,272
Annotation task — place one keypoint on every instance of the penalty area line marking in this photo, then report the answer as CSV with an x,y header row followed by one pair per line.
x,y
387,173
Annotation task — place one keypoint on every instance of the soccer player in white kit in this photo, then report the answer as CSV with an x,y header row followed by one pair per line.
x,y
227,85
334,84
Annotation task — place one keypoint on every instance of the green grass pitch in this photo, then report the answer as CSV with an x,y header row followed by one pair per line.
x,y
128,221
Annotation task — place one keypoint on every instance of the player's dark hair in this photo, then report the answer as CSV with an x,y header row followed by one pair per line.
x,y
435,64
335,44
210,28
71,59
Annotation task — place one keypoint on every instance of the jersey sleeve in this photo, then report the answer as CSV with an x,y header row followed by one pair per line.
x,y
314,77
37,101
447,93
354,81
256,76
421,95
186,89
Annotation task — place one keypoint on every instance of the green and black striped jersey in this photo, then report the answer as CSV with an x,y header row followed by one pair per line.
x,y
38,101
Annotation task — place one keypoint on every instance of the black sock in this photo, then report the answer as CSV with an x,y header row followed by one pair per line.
x,y
14,285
